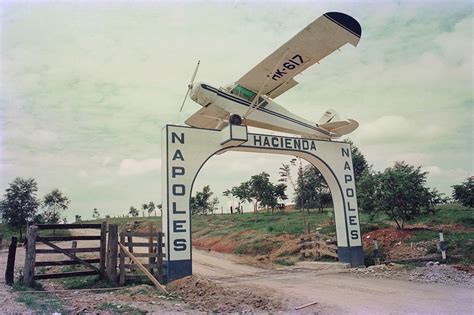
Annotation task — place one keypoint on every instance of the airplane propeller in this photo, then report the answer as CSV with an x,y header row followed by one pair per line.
x,y
190,85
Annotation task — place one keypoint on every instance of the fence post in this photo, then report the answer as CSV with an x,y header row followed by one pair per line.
x,y
122,261
30,256
9,272
442,246
74,247
317,246
103,249
376,253
159,260
151,260
112,246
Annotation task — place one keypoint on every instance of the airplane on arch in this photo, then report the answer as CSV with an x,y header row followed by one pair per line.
x,y
250,100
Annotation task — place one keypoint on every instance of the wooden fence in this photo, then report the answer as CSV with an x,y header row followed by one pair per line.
x,y
317,245
31,251
153,244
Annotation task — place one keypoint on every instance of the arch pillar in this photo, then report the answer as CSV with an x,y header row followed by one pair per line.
x,y
185,150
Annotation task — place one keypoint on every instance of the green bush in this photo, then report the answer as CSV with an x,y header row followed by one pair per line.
x,y
283,262
258,247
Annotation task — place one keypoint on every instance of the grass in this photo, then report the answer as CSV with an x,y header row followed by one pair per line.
x,y
458,231
263,237
267,235
120,309
82,282
129,220
8,232
449,214
276,224
258,246
283,262
40,302
54,233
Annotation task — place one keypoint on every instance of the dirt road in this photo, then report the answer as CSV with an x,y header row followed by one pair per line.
x,y
334,288
331,285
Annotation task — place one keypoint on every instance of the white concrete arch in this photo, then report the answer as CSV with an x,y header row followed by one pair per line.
x,y
184,152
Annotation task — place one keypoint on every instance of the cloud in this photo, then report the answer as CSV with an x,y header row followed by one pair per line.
x,y
134,167
82,173
72,109
45,137
395,128
454,173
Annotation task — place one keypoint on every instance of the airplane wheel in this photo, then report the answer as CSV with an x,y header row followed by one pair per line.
x,y
235,120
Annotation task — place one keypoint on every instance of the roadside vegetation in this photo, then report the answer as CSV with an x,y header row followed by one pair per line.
x,y
395,206
274,238
41,302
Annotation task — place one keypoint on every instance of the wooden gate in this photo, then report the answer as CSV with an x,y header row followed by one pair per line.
x,y
33,238
317,245
148,245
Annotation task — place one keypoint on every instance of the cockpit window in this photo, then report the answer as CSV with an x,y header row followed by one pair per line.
x,y
243,93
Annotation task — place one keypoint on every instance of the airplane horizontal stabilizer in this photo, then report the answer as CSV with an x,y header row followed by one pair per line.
x,y
341,128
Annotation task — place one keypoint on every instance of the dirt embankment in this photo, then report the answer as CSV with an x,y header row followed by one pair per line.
x,y
206,295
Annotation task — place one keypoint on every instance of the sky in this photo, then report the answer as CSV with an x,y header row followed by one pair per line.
x,y
87,86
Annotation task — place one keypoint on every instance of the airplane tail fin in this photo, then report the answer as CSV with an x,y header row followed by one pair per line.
x,y
328,116
332,123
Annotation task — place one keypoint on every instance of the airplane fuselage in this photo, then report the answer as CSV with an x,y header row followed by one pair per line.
x,y
268,115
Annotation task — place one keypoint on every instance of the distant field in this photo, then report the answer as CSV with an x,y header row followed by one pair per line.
x,y
9,232
274,237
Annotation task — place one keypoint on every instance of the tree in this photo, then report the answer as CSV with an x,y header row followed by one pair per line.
x,y
20,203
54,202
160,206
285,173
298,184
228,193
213,205
402,195
464,193
316,193
200,203
367,188
77,218
274,195
260,189
144,208
95,214
2,211
133,211
242,193
359,163
151,208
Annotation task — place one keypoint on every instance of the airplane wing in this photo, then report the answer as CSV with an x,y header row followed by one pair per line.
x,y
319,39
207,117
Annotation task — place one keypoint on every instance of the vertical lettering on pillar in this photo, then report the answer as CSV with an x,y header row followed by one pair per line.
x,y
178,199
348,186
